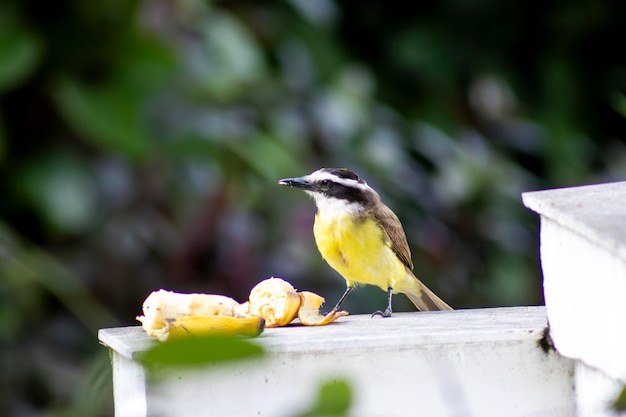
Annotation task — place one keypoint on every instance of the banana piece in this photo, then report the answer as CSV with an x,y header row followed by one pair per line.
x,y
309,312
162,305
276,301
214,325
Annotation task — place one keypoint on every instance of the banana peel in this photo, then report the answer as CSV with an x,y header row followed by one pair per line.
x,y
215,325
309,312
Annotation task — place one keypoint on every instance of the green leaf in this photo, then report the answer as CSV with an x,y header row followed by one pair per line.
x,y
618,102
142,64
620,402
228,60
194,147
109,117
113,114
265,155
334,400
20,52
200,351
60,188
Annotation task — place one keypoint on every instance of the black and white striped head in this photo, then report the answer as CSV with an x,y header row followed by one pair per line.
x,y
335,189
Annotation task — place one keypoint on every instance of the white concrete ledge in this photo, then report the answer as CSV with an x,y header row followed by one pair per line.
x,y
362,332
596,212
583,258
486,362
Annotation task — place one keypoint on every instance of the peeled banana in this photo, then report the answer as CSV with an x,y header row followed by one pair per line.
x,y
163,311
276,301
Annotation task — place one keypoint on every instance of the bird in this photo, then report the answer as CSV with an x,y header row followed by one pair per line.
x,y
361,238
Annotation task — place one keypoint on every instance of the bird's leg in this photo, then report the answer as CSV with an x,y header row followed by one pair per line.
x,y
343,297
388,311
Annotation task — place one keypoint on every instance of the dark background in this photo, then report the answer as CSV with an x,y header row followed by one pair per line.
x,y
141,143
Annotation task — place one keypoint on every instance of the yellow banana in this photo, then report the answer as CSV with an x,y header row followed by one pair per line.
x,y
186,326
163,305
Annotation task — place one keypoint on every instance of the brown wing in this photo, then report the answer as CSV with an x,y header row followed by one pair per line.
x,y
395,234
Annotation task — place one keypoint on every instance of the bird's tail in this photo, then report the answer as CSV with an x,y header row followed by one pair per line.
x,y
424,299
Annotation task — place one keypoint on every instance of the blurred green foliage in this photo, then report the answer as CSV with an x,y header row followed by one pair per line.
x,y
141,141
198,351
334,399
619,404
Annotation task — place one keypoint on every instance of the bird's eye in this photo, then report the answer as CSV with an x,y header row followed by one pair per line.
x,y
327,183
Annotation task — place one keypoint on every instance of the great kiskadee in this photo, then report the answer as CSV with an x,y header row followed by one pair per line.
x,y
361,238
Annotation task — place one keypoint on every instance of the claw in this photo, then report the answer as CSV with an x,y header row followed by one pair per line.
x,y
386,313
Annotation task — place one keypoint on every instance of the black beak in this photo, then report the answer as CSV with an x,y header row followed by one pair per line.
x,y
299,183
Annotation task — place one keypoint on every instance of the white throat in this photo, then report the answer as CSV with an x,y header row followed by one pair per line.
x,y
335,207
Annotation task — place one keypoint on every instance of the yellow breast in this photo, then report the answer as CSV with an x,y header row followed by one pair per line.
x,y
355,248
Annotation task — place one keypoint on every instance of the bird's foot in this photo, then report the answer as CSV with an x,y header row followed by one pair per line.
x,y
386,313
